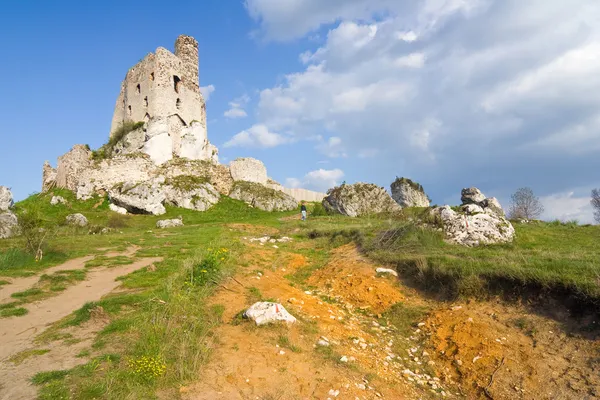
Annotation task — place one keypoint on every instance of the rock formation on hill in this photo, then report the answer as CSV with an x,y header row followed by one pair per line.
x,y
480,220
158,137
8,220
408,193
359,199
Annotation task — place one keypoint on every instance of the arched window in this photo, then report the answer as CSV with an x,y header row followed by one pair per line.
x,y
176,81
178,104
139,89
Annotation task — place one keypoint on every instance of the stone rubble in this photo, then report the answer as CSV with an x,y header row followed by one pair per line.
x,y
117,209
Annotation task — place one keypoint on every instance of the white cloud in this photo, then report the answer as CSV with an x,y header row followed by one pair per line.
x,y
257,136
207,91
319,180
237,108
367,153
459,90
332,147
567,207
235,113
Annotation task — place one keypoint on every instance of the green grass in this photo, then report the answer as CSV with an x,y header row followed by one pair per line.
x,y
284,341
13,312
46,377
547,256
103,261
22,356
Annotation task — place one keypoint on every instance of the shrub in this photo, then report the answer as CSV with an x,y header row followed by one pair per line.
x,y
34,229
116,221
318,210
106,151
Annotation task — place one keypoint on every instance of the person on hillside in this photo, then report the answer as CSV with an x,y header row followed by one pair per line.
x,y
303,210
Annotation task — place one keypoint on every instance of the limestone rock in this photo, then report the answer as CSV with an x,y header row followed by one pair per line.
x,y
471,195
57,200
359,199
140,198
249,170
71,165
188,192
103,176
117,209
216,174
481,222
9,225
408,193
169,223
48,177
262,197
265,312
131,143
6,198
77,220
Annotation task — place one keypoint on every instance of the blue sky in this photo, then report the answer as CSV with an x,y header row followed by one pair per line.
x,y
452,93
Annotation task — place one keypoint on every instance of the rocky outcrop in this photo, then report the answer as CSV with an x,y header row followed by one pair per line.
x,y
408,193
140,198
48,177
471,195
77,220
479,221
248,170
9,225
359,199
216,174
262,197
71,165
190,192
6,198
169,223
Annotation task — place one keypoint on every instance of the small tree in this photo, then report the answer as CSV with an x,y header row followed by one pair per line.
x,y
596,204
525,205
34,229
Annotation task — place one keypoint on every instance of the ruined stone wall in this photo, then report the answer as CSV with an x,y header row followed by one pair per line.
x,y
71,165
186,49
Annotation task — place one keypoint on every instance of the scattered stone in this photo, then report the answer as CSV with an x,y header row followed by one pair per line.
x,y
57,200
169,223
359,199
117,209
323,341
344,359
334,393
266,312
77,220
386,271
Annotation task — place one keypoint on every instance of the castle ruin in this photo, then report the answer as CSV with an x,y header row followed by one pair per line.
x,y
163,91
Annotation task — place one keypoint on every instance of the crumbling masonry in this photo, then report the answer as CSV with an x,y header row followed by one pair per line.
x,y
163,91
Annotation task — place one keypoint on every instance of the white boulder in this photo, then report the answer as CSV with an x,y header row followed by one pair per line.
x,y
471,195
265,312
6,198
117,209
359,199
169,223
481,221
57,200
386,271
77,220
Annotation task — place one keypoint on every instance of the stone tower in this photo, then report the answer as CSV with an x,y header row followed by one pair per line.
x,y
163,91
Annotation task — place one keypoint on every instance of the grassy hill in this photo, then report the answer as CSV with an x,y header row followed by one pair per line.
x,y
155,340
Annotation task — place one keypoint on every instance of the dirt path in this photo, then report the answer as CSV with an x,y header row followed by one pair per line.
x,y
20,284
475,350
280,362
17,333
